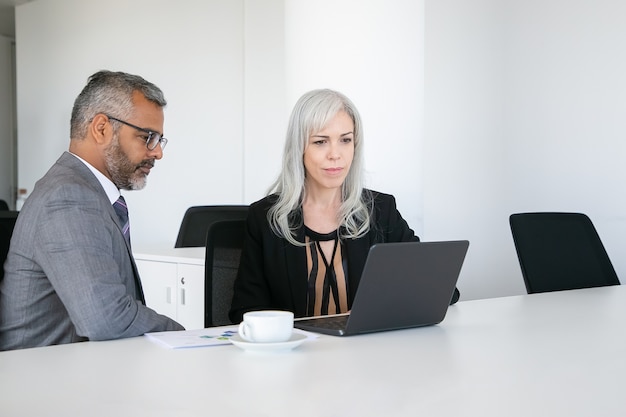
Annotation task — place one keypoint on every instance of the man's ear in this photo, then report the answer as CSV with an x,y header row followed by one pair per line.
x,y
101,129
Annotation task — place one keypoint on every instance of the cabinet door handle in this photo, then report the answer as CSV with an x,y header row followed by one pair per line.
x,y
182,296
168,295
182,280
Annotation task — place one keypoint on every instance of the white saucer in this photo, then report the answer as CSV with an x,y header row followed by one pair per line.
x,y
295,340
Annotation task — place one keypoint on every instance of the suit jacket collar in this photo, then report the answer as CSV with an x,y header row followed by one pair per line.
x,y
72,162
109,188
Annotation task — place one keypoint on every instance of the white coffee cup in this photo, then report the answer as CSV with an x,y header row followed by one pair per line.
x,y
266,326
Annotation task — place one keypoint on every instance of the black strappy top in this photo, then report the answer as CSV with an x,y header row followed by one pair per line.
x,y
327,284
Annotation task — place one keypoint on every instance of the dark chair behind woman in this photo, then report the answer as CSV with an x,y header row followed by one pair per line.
x,y
224,243
197,219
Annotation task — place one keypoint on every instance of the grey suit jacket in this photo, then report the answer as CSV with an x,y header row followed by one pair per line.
x,y
70,275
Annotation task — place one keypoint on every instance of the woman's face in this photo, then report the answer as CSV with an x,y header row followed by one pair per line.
x,y
329,153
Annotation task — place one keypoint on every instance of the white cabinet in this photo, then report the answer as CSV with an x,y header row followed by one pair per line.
x,y
173,283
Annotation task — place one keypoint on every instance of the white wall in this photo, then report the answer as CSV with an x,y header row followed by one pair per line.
x,y
7,157
265,100
472,109
524,112
231,71
193,50
372,51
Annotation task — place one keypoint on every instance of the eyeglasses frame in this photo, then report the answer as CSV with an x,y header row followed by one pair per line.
x,y
161,140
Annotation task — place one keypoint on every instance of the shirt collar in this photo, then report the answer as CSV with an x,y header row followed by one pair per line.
x,y
109,188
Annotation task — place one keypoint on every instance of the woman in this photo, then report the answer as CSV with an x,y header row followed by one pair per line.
x,y
307,241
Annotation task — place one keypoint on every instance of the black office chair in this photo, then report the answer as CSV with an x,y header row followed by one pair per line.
x,y
224,243
560,251
197,219
7,223
3,205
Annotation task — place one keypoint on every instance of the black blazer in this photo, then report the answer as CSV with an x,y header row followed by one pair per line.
x,y
273,272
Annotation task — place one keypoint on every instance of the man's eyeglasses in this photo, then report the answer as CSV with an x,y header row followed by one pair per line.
x,y
153,139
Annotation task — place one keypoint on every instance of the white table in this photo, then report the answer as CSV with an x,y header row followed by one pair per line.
x,y
553,354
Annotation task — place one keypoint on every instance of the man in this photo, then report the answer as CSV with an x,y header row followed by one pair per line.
x,y
70,275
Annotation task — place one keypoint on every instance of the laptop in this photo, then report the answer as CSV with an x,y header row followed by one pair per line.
x,y
405,284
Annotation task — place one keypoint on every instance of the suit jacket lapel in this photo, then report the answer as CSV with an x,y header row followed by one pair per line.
x,y
138,286
75,164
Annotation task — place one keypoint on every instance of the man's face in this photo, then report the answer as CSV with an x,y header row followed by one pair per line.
x,y
127,159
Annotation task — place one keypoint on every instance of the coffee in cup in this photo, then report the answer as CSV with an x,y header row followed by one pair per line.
x,y
266,326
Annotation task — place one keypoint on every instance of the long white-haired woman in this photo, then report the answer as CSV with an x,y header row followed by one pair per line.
x,y
307,241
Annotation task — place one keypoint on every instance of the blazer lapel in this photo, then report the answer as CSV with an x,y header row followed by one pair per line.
x,y
138,286
296,268
71,161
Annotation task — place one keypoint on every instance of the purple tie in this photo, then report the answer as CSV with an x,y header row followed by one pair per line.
x,y
122,212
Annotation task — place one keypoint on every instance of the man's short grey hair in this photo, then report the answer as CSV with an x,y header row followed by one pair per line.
x,y
110,93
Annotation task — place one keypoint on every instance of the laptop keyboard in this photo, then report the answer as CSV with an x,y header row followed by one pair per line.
x,y
332,322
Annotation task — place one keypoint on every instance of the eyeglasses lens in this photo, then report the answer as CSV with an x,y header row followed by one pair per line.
x,y
154,140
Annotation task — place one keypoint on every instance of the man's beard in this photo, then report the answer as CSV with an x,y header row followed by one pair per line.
x,y
125,174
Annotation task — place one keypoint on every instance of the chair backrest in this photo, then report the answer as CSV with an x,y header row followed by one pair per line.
x,y
7,223
197,219
560,251
3,205
224,243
